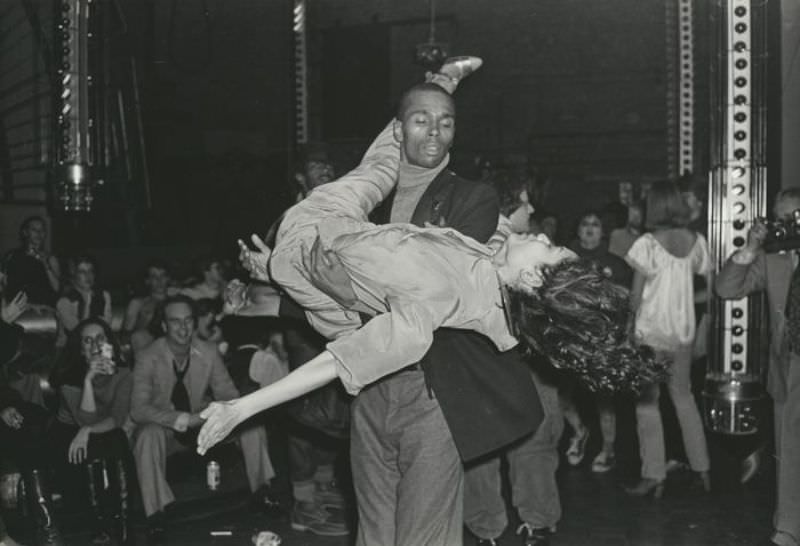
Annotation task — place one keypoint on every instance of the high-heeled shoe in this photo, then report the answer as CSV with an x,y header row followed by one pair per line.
x,y
705,480
577,447
751,466
454,70
646,487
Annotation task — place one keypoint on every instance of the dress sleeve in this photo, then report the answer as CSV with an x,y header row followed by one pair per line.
x,y
387,343
702,261
641,257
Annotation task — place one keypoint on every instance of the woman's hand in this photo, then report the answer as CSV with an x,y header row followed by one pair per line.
x,y
221,418
79,446
256,262
99,366
12,310
12,417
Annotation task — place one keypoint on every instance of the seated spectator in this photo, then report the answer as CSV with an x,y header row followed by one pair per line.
x,y
208,328
212,273
141,310
94,389
81,299
22,430
30,268
172,378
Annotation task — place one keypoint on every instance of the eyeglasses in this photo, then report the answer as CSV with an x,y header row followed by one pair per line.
x,y
89,341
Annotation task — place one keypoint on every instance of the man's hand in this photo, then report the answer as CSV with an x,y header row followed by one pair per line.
x,y
12,310
195,420
221,418
326,272
12,418
757,235
79,446
234,297
256,262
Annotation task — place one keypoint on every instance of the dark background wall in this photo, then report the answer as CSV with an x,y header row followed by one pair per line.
x,y
573,91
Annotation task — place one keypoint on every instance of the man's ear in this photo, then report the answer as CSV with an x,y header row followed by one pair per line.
x,y
397,129
531,278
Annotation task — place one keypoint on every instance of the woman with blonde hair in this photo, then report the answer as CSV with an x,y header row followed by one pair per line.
x,y
665,261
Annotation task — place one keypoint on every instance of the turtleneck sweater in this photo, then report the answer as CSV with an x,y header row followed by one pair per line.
x,y
412,181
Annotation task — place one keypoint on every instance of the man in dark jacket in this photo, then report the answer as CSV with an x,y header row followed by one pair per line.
x,y
411,430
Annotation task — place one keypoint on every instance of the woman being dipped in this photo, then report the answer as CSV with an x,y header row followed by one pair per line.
x,y
415,280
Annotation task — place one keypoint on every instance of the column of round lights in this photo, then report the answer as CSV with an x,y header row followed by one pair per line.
x,y
686,88
738,169
673,88
300,72
72,31
66,29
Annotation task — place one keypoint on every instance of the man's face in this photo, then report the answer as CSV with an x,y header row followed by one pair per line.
x,y
157,281
84,276
214,274
318,173
179,323
427,129
785,207
635,217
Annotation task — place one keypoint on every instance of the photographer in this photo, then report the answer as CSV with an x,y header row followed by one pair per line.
x,y
752,269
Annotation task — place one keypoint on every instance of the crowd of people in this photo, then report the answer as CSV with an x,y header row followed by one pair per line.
x,y
460,330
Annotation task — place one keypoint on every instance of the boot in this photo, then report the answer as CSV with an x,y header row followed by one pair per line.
x,y
47,534
122,485
98,484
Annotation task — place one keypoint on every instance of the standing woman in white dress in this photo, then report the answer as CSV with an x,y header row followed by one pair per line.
x,y
665,262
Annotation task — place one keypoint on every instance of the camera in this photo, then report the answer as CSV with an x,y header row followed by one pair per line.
x,y
783,234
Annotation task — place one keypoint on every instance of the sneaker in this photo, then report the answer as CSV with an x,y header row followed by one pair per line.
x,y
534,536
329,495
603,462
577,448
314,518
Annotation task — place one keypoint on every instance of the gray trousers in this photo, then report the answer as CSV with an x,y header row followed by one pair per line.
x,y
154,443
407,473
649,426
787,448
532,465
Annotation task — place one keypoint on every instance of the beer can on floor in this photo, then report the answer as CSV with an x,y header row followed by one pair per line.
x,y
213,475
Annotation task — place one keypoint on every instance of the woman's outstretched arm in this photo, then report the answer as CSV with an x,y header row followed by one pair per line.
x,y
222,417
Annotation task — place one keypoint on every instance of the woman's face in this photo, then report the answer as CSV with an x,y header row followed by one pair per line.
x,y
34,234
522,257
92,339
520,218
590,231
84,276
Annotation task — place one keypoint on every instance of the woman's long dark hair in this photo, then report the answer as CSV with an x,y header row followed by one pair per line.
x,y
73,366
578,320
